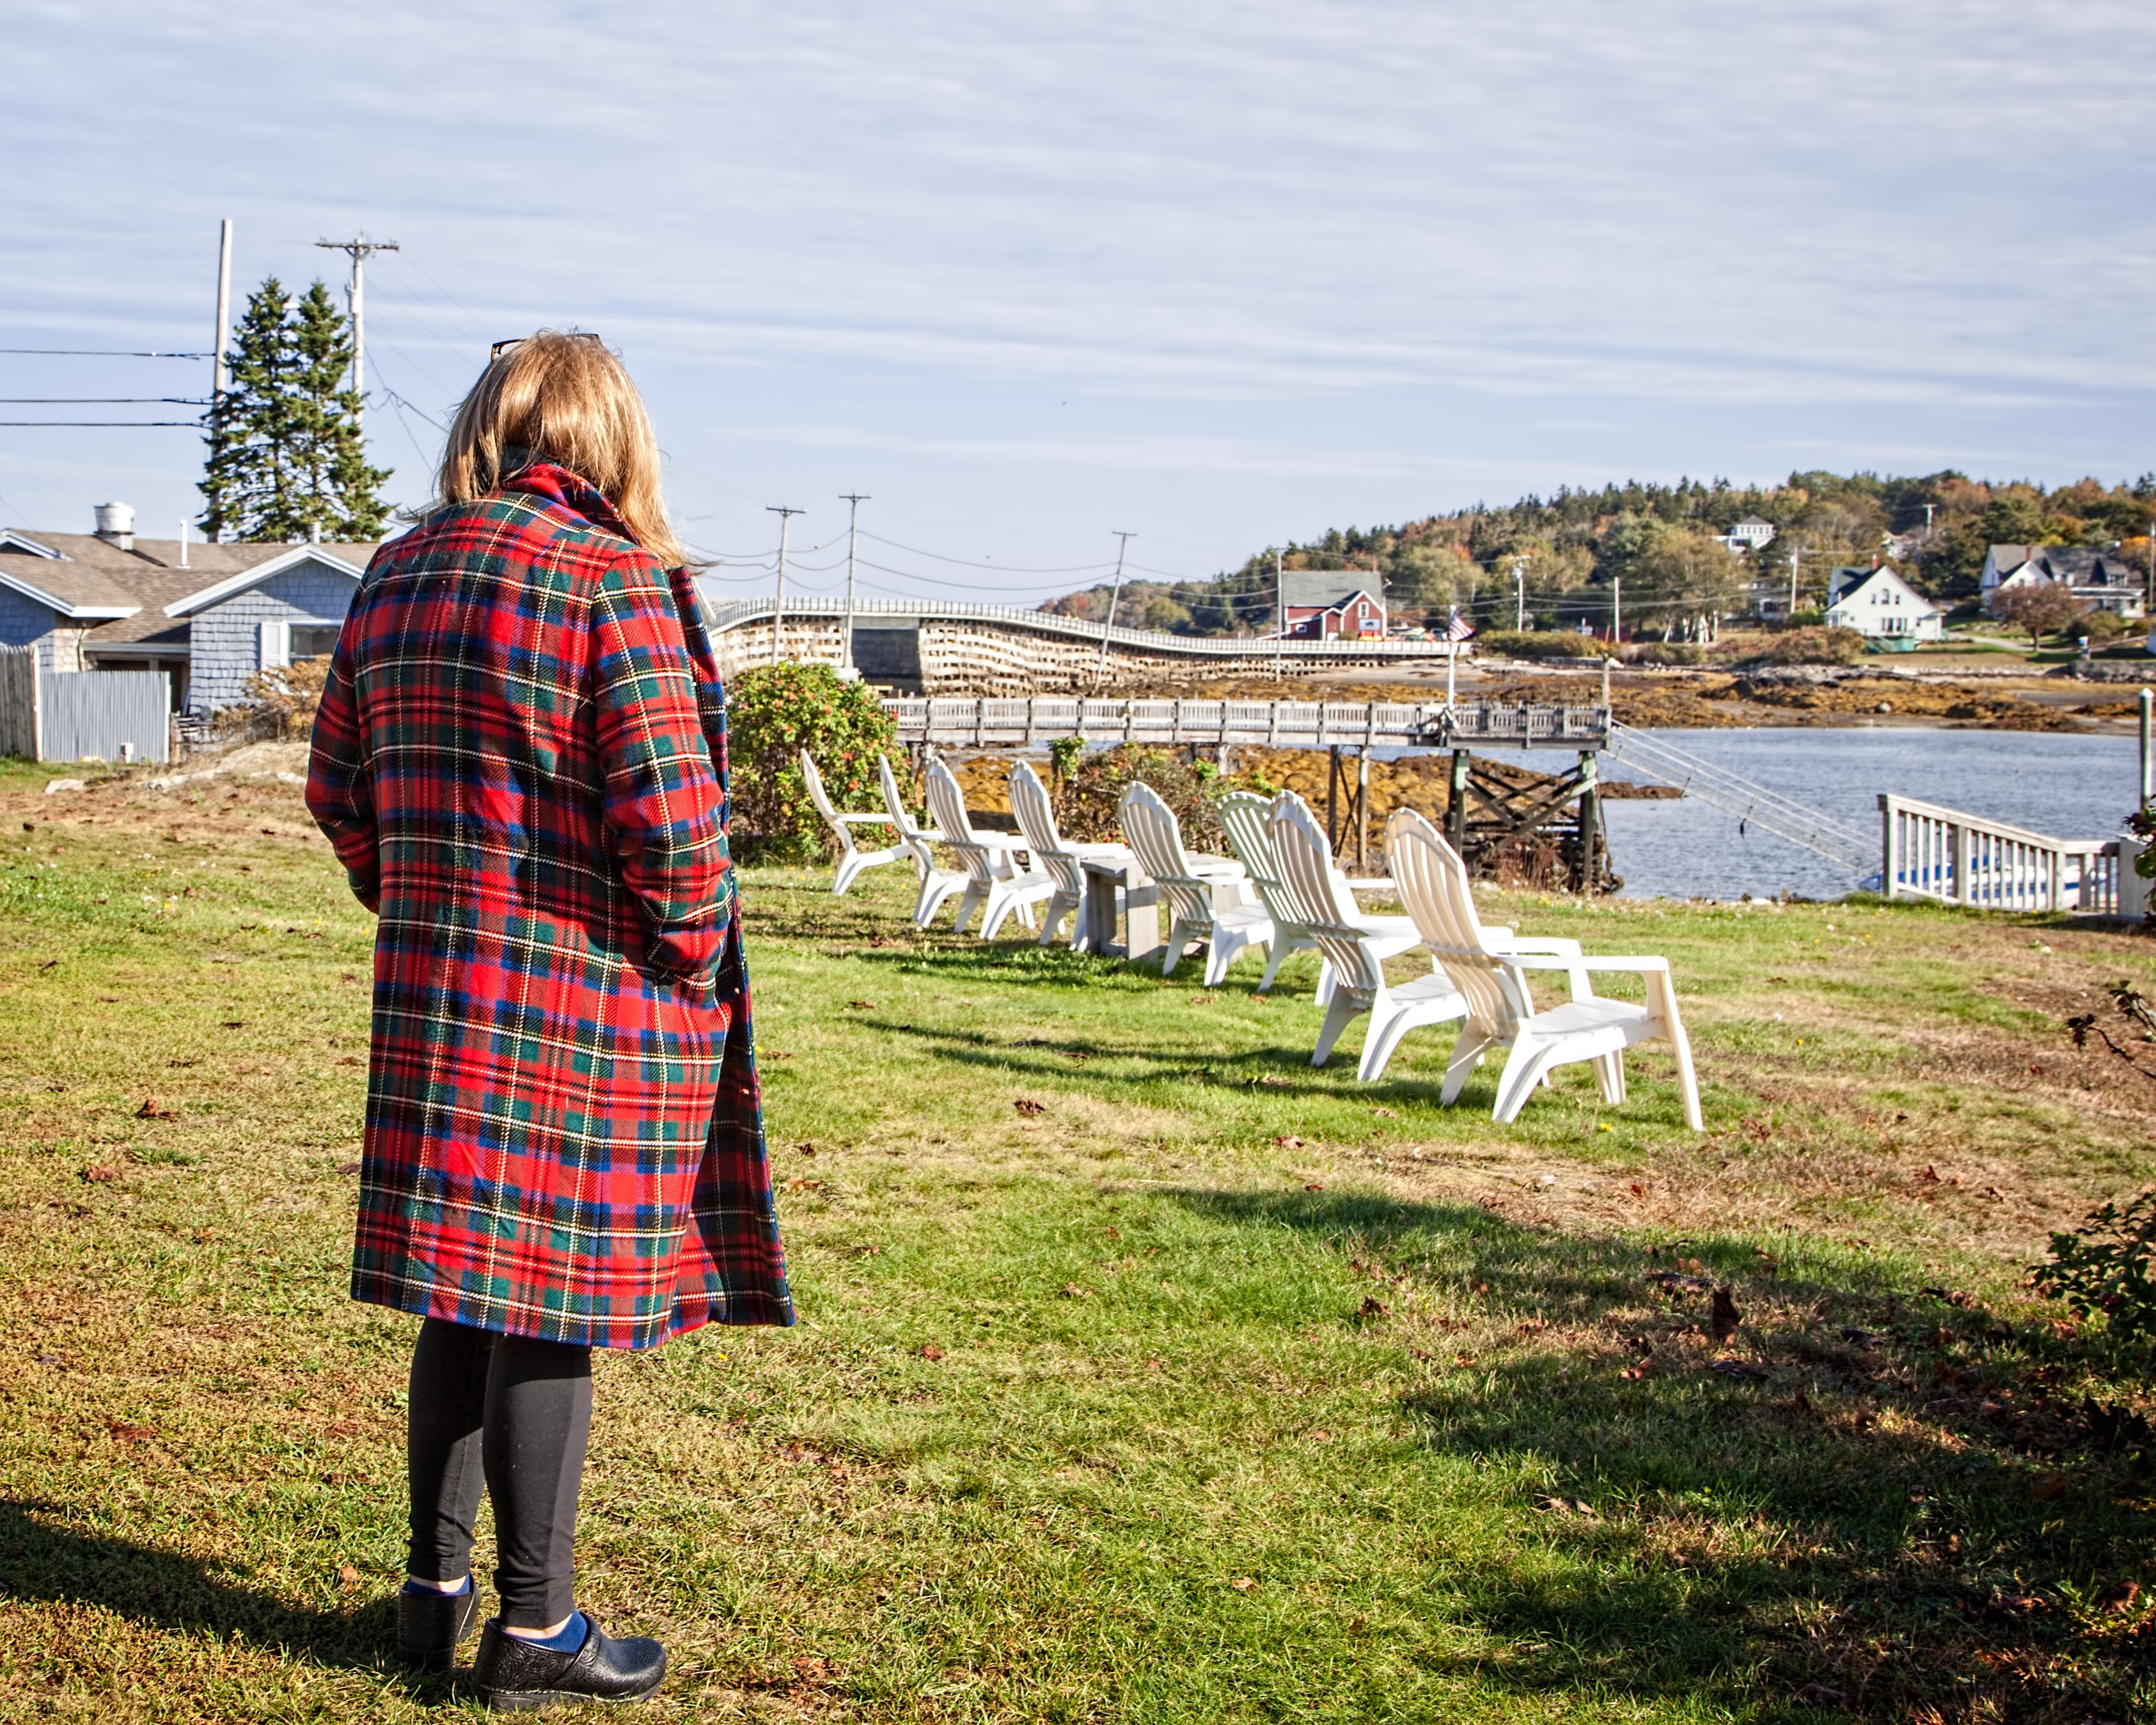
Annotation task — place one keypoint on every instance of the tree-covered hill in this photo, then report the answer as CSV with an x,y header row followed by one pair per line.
x,y
1656,545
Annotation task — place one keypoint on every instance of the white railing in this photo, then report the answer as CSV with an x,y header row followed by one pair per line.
x,y
1770,811
1958,859
968,722
720,614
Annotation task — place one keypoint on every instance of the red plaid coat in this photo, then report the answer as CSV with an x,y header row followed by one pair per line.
x,y
521,760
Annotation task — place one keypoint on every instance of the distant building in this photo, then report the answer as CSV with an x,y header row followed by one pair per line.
x,y
109,601
1880,606
2103,580
1750,534
1324,604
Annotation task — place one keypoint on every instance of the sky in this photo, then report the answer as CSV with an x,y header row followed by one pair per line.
x,y
1219,275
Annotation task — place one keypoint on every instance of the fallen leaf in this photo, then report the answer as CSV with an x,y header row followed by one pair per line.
x,y
1373,1307
812,1671
151,1109
1242,1584
1927,1176
867,1251
1639,1370
2047,1487
1027,1106
1726,1317
1818,1695
772,1053
1289,1143
1071,1291
233,1023
1273,1081
1321,1437
1313,1185
1156,1365
862,1004
52,1360
348,1575
2119,1595
801,1183
1385,1113
97,1173
929,1350
1736,1368
126,1434
348,1167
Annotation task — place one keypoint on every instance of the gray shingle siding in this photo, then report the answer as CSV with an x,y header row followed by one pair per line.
x,y
25,622
226,640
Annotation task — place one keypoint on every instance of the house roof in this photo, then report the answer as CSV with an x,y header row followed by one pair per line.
x,y
1871,578
347,559
1326,589
87,579
1753,521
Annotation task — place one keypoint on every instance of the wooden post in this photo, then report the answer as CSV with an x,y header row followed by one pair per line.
x,y
1963,861
1590,826
1333,800
1889,863
1455,815
2147,761
1363,808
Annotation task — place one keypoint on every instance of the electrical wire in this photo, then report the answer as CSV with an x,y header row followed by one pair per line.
x,y
103,401
979,563
108,352
113,425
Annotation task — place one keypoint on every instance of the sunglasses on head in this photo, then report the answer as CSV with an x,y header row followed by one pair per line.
x,y
500,348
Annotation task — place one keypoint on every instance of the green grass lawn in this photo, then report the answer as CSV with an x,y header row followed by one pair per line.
x,y
1204,1386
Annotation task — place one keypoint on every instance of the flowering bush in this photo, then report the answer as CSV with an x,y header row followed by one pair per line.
x,y
772,713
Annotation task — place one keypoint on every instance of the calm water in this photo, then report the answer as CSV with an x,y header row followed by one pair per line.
x,y
2069,787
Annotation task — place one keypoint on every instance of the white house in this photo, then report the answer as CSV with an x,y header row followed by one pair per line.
x,y
1750,534
2101,579
1880,606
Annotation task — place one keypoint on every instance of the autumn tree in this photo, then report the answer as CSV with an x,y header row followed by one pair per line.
x,y
2043,607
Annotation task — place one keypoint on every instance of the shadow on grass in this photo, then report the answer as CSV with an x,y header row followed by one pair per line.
x,y
1852,1492
43,1559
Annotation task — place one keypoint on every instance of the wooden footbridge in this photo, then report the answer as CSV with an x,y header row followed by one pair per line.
x,y
963,723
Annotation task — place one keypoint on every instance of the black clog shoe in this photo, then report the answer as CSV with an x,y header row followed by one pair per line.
x,y
518,1676
430,1625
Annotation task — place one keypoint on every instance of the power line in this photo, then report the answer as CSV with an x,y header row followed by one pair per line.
x,y
102,401
110,352
115,424
981,563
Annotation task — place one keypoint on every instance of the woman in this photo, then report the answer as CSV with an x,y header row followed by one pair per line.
x,y
521,760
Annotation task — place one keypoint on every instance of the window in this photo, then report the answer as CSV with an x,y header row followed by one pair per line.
x,y
313,640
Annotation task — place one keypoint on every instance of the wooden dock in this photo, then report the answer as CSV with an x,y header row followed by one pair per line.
x,y
965,723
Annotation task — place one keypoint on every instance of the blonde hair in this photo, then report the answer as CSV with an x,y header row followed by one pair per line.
x,y
568,399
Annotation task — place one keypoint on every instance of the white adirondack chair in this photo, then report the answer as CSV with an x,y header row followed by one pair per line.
x,y
1319,898
1062,860
995,883
1188,883
1434,886
852,858
1248,818
937,885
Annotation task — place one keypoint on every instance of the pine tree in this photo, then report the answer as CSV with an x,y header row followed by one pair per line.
x,y
286,459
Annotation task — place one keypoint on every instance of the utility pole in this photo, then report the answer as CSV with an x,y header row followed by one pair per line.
x,y
1122,544
1520,597
1616,608
1280,612
779,606
2148,599
223,308
359,251
1796,558
854,500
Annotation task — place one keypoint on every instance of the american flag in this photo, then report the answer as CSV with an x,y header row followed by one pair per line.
x,y
1458,629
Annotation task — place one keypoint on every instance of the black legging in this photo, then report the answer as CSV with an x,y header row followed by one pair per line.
x,y
514,1415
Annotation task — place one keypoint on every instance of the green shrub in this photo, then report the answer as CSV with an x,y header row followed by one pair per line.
x,y
772,713
1812,646
1663,653
1092,785
1537,643
2102,1270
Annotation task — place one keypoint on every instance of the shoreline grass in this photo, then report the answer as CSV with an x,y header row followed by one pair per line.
x,y
1217,1389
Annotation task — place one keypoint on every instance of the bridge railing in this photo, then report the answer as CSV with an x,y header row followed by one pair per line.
x,y
1959,858
720,614
968,722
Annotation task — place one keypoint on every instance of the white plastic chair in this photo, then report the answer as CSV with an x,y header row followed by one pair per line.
x,y
995,883
1434,886
1063,862
936,884
852,858
1248,818
1191,886
1320,899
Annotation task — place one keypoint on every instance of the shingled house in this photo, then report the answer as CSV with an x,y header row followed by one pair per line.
x,y
2101,579
1324,604
210,616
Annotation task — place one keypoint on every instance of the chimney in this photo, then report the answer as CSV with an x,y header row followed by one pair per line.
x,y
115,524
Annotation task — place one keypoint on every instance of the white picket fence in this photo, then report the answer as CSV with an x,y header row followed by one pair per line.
x,y
1959,858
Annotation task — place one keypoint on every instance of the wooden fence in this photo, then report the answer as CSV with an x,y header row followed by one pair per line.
x,y
19,730
1958,859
